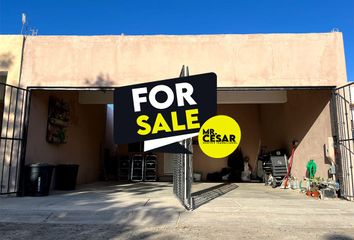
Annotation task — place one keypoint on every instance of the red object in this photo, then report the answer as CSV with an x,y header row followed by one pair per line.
x,y
289,167
315,194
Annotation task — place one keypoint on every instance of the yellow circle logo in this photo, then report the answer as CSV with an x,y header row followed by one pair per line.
x,y
219,136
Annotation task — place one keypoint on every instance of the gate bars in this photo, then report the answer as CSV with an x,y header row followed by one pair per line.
x,y
344,141
183,175
13,101
183,168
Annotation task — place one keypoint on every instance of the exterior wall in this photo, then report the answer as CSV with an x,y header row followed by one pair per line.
x,y
85,135
238,60
10,57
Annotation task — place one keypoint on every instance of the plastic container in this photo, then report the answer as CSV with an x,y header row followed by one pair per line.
x,y
65,176
38,179
197,177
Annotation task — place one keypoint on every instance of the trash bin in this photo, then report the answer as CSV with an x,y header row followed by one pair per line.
x,y
65,176
38,177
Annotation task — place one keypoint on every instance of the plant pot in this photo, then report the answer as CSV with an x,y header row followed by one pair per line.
x,y
315,194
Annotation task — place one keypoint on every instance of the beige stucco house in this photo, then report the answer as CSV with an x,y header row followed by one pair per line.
x,y
277,86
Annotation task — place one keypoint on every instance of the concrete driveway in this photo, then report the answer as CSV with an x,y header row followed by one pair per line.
x,y
150,211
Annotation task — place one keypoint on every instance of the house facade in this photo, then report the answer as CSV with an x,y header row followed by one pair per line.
x,y
278,87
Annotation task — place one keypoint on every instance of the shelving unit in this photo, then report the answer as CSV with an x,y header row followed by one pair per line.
x,y
137,169
124,169
150,170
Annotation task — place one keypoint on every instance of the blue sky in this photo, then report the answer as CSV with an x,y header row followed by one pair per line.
x,y
100,17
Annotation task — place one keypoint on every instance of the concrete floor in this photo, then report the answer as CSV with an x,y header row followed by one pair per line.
x,y
150,211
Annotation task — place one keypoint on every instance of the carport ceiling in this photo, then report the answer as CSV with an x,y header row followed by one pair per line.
x,y
96,97
251,97
224,96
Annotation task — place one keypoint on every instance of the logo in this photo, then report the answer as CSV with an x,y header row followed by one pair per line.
x,y
212,137
219,136
162,113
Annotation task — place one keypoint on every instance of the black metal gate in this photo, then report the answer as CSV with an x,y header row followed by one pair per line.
x,y
344,142
12,139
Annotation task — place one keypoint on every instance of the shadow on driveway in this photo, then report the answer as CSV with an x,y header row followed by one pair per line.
x,y
204,196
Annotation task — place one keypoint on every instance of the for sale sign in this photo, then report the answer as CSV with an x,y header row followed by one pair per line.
x,y
162,113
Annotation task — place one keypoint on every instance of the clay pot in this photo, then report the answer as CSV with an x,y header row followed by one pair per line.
x,y
315,194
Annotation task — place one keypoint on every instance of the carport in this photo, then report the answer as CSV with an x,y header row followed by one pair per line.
x,y
270,117
267,116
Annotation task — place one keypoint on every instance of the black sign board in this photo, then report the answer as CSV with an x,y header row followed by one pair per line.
x,y
163,109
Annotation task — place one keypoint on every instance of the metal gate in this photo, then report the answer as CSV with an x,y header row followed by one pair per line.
x,y
13,115
183,168
183,176
344,142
